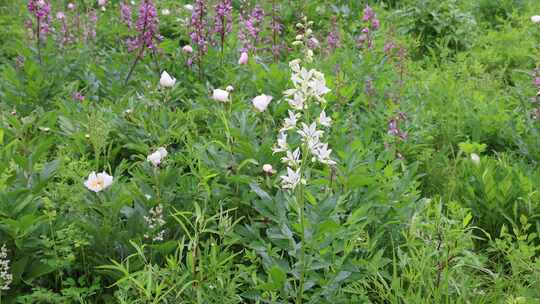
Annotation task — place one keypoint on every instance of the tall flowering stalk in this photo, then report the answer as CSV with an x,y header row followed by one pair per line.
x,y
304,39
371,24
126,14
333,39
223,21
41,11
148,36
199,31
535,99
251,27
276,28
301,141
64,35
5,276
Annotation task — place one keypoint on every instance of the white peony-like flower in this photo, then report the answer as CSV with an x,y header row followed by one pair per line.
x,y
268,169
188,7
535,19
102,2
156,157
98,182
261,102
220,95
187,49
166,80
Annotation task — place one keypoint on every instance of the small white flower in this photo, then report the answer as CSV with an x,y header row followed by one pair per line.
x,y
220,95
310,132
102,2
156,157
535,19
165,12
261,102
187,49
188,7
292,159
291,180
322,153
325,120
290,122
281,143
60,16
147,196
71,6
166,80
229,88
268,169
98,182
475,158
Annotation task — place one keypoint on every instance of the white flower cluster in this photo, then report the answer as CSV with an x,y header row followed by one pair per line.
x,y
308,85
155,221
5,277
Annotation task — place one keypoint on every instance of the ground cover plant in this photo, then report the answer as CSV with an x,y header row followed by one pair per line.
x,y
269,151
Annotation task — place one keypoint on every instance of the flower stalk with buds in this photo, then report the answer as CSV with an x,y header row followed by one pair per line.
x,y
301,139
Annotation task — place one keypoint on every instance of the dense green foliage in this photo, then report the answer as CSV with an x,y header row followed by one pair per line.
x,y
447,212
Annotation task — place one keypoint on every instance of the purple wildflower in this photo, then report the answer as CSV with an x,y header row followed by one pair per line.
x,y
368,14
90,26
64,36
147,28
148,36
252,26
78,96
333,39
199,31
41,10
126,14
393,126
371,24
223,20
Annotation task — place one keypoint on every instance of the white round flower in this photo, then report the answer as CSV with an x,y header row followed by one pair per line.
x,y
187,49
220,95
267,168
475,158
98,182
156,157
165,12
188,7
102,2
229,88
166,80
535,19
261,102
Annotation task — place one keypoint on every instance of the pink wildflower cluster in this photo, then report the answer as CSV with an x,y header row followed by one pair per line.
x,y
371,24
